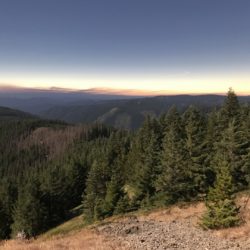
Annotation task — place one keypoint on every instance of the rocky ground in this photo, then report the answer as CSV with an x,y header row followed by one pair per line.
x,y
176,227
151,235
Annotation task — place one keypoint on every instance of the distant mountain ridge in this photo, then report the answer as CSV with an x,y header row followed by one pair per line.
x,y
13,114
38,100
130,113
107,106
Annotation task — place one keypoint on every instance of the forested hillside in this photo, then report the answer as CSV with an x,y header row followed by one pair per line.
x,y
43,167
47,167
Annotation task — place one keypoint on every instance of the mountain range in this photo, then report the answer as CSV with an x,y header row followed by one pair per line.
x,y
13,114
108,107
130,113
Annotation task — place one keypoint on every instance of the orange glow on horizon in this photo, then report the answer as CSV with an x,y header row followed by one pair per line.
x,y
113,91
131,85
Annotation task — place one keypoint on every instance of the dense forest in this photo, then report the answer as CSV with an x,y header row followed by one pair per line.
x,y
49,167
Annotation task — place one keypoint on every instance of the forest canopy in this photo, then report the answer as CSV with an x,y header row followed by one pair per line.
x,y
49,167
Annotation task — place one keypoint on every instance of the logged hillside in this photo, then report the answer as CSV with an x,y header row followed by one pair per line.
x,y
130,114
41,173
48,167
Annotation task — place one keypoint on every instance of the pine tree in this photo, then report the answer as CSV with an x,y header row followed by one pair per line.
x,y
150,171
113,194
93,199
145,160
106,179
56,194
122,205
233,146
29,212
212,137
222,211
230,109
76,177
196,148
99,209
175,182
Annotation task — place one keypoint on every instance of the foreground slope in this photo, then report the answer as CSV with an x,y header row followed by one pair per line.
x,y
174,228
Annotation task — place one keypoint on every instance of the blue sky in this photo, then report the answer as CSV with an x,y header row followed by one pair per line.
x,y
171,45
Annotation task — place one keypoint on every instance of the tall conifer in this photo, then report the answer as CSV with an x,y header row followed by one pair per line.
x,y
196,148
174,182
29,214
222,211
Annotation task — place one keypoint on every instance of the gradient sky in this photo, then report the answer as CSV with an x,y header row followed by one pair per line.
x,y
194,46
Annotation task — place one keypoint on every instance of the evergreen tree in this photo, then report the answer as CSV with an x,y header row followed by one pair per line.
x,y
56,194
196,148
175,182
145,160
233,147
150,171
113,194
231,104
76,177
95,190
122,206
230,109
29,212
222,211
212,137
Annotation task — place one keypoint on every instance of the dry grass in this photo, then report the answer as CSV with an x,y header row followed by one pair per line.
x,y
177,212
70,226
83,240
71,235
194,212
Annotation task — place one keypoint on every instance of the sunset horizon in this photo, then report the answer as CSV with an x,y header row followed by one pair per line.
x,y
115,91
168,47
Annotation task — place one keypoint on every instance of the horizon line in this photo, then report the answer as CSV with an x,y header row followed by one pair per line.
x,y
110,91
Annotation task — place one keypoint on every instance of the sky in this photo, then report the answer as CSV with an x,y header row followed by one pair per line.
x,y
175,46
